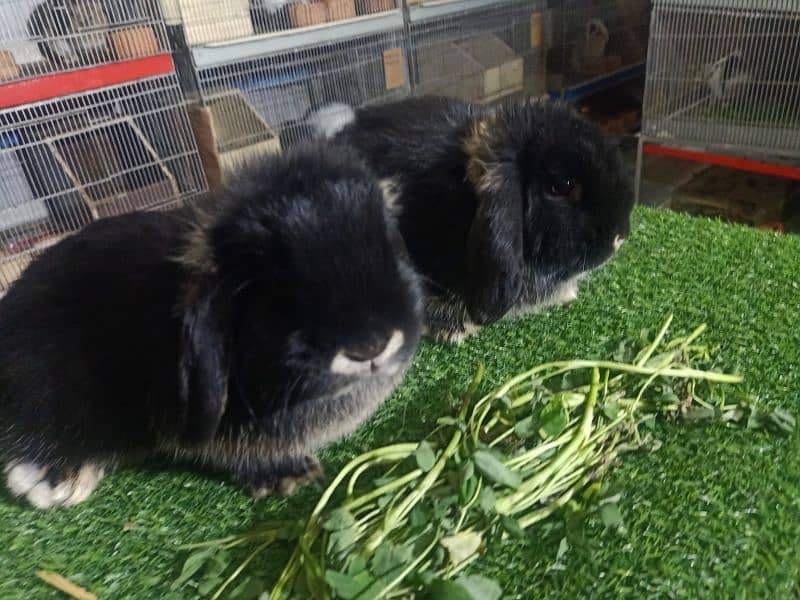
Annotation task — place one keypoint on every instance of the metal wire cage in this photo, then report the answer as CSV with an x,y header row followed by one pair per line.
x,y
68,161
479,54
39,37
591,40
265,79
725,74
269,102
212,21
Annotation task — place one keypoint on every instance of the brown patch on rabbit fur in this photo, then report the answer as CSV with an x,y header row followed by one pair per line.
x,y
197,254
478,146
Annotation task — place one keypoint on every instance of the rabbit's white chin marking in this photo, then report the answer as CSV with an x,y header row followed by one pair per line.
x,y
29,480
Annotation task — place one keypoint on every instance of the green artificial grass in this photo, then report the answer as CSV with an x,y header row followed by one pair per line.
x,y
715,513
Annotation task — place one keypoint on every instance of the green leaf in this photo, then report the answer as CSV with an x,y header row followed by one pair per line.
x,y
467,488
525,428
462,545
563,548
471,587
493,469
668,396
659,360
574,379
209,585
339,519
357,563
191,566
425,456
554,418
468,482
347,586
699,413
218,563
513,528
447,421
419,517
488,499
248,588
388,557
439,589
480,588
339,541
611,515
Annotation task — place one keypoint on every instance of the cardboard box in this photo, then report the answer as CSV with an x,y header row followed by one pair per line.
x,y
503,70
304,15
134,43
8,66
339,10
239,134
445,69
371,7
207,21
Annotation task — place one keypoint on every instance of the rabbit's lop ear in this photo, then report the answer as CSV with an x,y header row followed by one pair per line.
x,y
204,360
494,247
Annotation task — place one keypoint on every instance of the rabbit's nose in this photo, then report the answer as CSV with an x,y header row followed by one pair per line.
x,y
368,356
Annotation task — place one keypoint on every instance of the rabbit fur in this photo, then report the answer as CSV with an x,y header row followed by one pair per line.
x,y
502,209
241,334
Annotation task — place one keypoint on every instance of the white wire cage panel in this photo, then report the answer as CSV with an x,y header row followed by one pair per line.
x,y
212,21
272,102
725,74
479,54
66,162
40,37
595,39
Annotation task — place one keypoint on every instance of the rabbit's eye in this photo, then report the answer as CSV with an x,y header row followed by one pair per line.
x,y
561,186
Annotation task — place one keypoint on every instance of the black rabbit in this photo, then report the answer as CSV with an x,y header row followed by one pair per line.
x,y
502,210
242,336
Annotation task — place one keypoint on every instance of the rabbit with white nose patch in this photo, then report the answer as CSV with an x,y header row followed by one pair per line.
x,y
243,336
502,209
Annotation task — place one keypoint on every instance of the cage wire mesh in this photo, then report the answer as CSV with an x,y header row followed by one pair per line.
x,y
68,161
267,79
276,100
211,21
40,37
480,55
593,39
725,74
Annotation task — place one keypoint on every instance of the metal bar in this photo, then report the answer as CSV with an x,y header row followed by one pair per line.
x,y
48,87
741,164
444,8
217,54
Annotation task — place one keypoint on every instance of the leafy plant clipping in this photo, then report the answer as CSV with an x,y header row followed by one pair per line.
x,y
503,463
